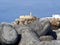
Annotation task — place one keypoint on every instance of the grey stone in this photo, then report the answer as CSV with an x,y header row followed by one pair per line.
x,y
54,42
41,26
29,37
8,34
46,38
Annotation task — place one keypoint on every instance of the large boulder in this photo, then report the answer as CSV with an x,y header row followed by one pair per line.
x,y
8,34
46,38
29,37
41,26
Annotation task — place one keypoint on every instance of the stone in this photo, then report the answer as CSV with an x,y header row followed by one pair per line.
x,y
41,26
29,37
46,38
53,42
8,34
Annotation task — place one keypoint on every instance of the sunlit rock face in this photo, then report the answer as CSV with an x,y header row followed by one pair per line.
x,y
8,34
40,26
29,37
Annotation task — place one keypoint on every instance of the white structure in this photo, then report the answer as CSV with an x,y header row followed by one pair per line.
x,y
56,16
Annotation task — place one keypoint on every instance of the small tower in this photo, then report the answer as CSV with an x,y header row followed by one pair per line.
x,y
30,14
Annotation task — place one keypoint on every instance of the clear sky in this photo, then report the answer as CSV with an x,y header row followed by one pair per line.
x,y
12,9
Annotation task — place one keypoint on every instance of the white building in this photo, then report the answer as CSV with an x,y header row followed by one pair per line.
x,y
56,16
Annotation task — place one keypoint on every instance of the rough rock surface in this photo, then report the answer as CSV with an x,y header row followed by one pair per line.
x,y
41,26
37,33
8,35
29,37
46,38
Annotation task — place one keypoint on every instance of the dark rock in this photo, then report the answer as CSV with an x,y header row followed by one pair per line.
x,y
52,33
57,33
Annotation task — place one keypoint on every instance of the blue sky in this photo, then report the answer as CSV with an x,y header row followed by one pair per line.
x,y
12,9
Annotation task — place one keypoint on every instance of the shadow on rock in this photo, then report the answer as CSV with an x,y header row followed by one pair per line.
x,y
53,34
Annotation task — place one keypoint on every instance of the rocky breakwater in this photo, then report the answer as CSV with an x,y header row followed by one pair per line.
x,y
35,32
29,31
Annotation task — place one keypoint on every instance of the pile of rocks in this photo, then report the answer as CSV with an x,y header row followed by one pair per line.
x,y
38,32
30,30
